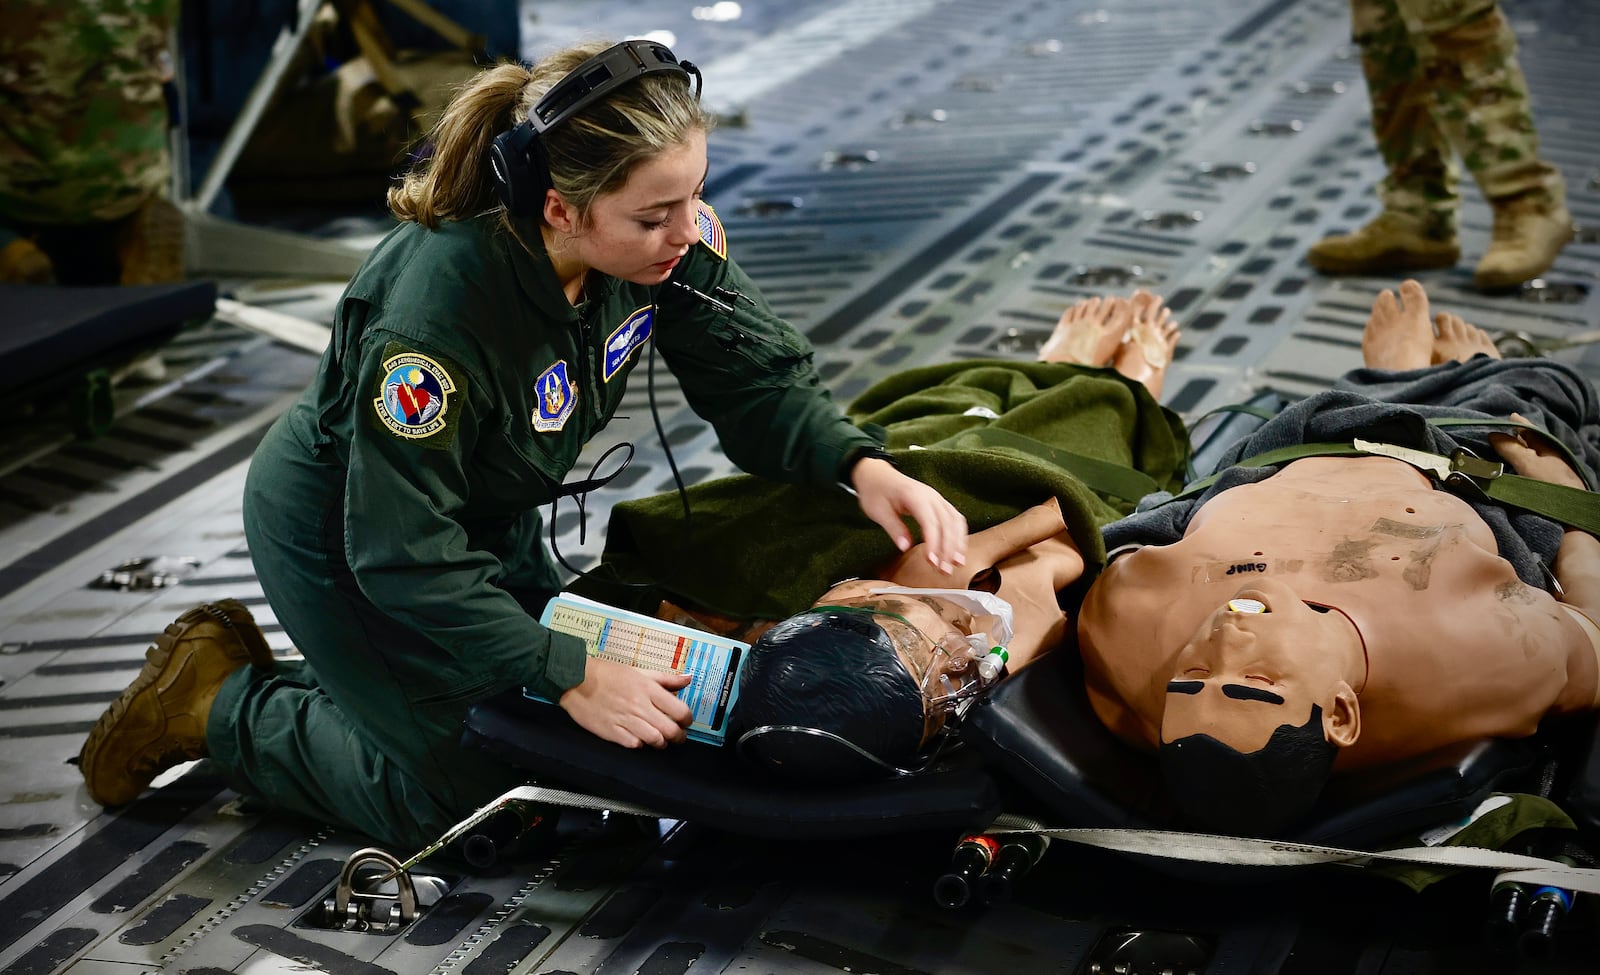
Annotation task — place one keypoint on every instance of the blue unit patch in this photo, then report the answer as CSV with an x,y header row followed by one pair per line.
x,y
632,333
415,402
555,396
711,233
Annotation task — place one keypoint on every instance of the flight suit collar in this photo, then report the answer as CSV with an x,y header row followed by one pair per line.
x,y
535,274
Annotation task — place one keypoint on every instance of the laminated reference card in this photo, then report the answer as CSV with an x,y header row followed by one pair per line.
x,y
713,661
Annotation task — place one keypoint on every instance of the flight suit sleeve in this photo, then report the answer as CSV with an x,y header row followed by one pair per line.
x,y
751,375
418,417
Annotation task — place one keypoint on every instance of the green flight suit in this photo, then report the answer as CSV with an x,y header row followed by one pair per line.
x,y
392,515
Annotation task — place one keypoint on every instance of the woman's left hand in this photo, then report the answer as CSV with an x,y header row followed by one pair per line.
x,y
886,495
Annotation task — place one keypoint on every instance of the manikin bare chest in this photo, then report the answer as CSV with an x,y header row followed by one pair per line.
x,y
1456,643
1335,521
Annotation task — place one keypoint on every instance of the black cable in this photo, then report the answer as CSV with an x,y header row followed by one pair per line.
x,y
661,434
579,491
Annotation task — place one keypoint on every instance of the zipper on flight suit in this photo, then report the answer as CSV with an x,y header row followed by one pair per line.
x,y
586,370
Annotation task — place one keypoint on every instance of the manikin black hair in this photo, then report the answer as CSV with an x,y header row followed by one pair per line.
x,y
1220,789
833,677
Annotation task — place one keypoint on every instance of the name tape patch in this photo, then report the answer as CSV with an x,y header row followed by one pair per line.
x,y
632,333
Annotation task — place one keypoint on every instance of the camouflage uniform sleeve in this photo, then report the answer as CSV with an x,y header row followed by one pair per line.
x,y
83,114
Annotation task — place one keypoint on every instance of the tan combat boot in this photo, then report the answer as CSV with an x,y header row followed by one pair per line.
x,y
150,244
1392,241
22,262
1528,234
160,720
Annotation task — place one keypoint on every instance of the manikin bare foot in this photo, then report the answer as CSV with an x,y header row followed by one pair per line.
x,y
1144,357
1399,334
1458,341
1089,332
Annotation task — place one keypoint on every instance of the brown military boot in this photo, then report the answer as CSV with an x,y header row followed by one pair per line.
x,y
160,720
1392,241
1528,234
22,262
150,244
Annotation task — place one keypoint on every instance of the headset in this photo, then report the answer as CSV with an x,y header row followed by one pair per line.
x,y
521,173
521,169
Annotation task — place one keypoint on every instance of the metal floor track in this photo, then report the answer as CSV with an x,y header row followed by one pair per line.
x,y
911,182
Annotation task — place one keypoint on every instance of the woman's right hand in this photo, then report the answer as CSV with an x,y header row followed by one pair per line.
x,y
629,706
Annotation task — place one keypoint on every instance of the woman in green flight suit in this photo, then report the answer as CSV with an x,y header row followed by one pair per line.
x,y
392,512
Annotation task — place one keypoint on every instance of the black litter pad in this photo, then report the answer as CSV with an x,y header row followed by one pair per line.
x,y
53,332
708,784
1038,731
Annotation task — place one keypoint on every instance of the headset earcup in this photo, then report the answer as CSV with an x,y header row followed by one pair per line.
x,y
517,167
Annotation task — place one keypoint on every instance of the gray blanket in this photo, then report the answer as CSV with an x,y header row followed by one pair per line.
x,y
1393,407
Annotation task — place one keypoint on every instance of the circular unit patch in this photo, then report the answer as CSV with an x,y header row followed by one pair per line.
x,y
416,395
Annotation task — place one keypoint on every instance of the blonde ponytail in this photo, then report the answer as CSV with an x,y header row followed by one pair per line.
x,y
590,154
453,182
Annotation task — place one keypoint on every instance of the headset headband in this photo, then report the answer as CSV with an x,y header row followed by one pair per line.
x,y
517,160
602,74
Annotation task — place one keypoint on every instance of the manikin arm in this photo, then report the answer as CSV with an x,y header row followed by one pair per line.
x,y
1037,557
1577,569
991,545
1577,564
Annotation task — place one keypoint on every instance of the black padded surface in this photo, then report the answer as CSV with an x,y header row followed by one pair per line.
x,y
1038,730
51,331
1582,801
709,785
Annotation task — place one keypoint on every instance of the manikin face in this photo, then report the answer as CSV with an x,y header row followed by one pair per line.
x,y
1244,673
931,642
640,232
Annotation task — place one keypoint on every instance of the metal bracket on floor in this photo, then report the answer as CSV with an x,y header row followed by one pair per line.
x,y
383,899
1520,344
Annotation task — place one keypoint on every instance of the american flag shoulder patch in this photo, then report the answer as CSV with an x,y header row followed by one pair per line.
x,y
711,233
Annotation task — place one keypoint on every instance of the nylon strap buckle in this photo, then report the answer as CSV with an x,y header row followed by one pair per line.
x,y
1462,469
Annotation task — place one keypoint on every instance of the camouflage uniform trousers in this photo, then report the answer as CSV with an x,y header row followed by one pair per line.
x,y
83,120
1444,81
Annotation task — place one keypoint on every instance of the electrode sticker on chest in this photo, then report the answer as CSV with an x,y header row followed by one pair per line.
x,y
414,401
554,395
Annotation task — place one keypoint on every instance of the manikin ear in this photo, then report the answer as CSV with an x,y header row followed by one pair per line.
x,y
1341,720
561,216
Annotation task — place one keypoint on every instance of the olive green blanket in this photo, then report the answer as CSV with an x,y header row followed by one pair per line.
x,y
995,437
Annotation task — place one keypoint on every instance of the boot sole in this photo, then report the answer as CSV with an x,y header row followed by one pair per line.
x,y
156,659
1390,261
1492,285
228,612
